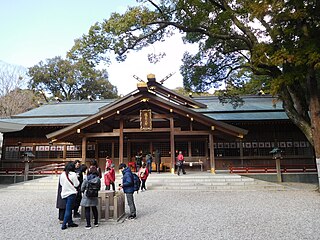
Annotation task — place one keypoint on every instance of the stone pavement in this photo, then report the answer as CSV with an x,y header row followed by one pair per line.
x,y
290,214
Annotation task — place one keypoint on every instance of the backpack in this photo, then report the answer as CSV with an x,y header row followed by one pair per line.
x,y
92,189
136,182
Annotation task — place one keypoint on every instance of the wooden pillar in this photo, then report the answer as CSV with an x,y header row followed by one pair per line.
x,y
128,151
84,149
172,144
241,152
121,142
64,153
112,150
211,147
96,150
189,149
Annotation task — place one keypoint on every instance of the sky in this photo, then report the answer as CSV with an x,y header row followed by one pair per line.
x,y
35,30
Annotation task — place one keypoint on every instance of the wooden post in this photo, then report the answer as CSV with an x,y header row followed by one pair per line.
x,y
211,147
84,149
241,151
121,142
172,144
278,167
64,154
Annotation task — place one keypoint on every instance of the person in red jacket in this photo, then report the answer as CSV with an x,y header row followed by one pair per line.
x,y
110,177
180,160
143,175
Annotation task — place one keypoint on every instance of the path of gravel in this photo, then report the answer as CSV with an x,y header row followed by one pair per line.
x,y
174,215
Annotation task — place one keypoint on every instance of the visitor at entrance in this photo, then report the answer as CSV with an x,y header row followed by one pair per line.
x,y
180,160
128,189
143,175
138,161
149,162
157,156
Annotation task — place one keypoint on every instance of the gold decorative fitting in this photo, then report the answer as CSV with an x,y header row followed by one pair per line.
x,y
171,110
98,121
212,128
187,115
145,100
118,112
191,119
78,130
240,135
101,118
142,85
151,77
169,95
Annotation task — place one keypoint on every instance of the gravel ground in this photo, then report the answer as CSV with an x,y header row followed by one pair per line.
x,y
174,215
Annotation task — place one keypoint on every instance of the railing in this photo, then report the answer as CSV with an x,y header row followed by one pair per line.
x,y
294,168
54,168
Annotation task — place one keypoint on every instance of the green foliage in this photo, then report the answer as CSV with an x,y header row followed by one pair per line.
x,y
67,79
272,45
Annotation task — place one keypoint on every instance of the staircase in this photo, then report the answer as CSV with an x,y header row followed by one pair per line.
x,y
208,182
192,181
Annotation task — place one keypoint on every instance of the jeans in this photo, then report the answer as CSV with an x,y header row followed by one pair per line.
x,y
149,166
131,204
68,213
143,184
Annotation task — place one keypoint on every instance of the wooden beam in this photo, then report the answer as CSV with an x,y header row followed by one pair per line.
x,y
106,134
191,133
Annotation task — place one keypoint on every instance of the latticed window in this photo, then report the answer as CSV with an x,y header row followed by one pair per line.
x,y
74,151
163,147
182,146
105,149
198,148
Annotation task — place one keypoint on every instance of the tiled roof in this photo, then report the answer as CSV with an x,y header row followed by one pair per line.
x,y
253,108
67,113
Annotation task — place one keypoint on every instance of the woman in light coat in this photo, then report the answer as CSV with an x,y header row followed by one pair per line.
x,y
87,202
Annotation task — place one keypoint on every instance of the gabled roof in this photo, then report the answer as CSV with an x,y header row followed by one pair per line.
x,y
143,95
10,127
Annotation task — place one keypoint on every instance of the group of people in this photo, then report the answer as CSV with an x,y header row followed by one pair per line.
x,y
149,159
75,190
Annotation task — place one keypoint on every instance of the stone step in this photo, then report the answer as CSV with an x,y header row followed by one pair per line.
x,y
199,181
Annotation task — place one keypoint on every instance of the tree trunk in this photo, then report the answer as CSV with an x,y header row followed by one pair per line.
x,y
314,107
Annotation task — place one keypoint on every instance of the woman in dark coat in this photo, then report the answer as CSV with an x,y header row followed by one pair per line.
x,y
60,204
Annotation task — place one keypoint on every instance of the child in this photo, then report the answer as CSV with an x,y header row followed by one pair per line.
x,y
143,175
110,177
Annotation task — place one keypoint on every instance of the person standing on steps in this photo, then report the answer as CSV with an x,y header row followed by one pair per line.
x,y
157,156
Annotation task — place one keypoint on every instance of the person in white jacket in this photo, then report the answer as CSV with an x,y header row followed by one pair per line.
x,y
69,181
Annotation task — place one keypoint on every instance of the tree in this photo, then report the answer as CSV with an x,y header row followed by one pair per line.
x,y
67,79
13,100
238,40
11,77
18,101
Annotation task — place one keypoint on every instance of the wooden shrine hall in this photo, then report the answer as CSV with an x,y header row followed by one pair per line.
x,y
152,117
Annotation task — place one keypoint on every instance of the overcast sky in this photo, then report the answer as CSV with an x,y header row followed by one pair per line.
x,y
34,30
